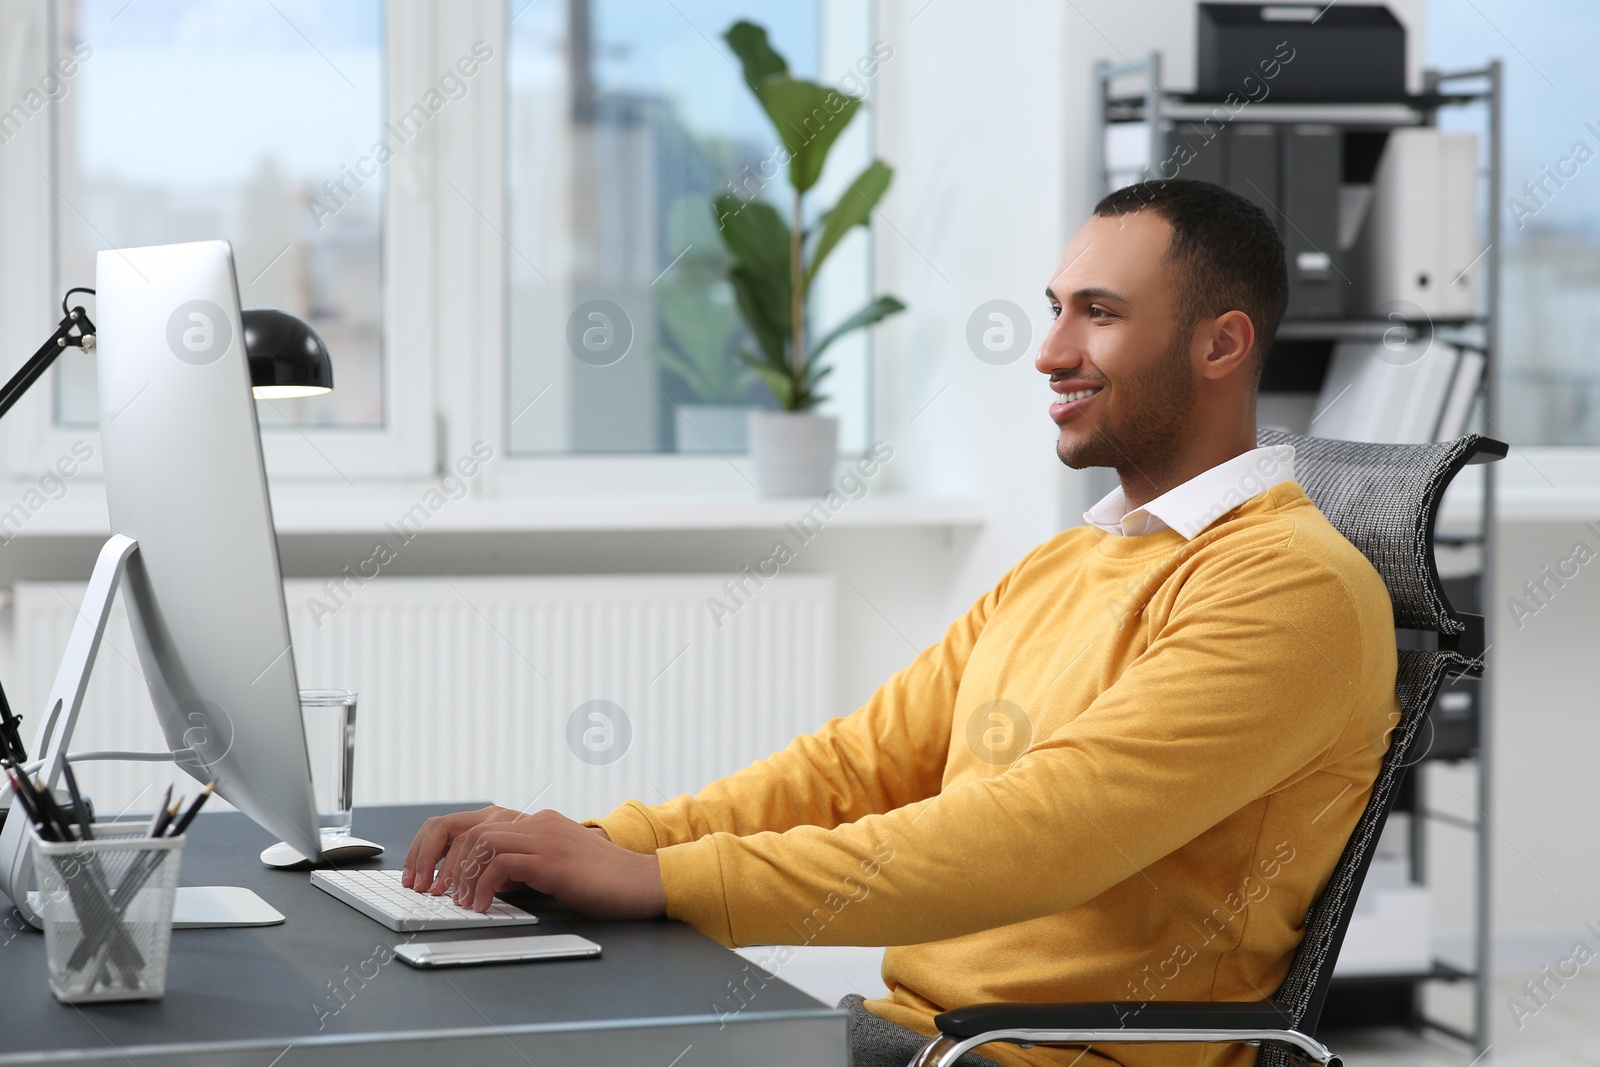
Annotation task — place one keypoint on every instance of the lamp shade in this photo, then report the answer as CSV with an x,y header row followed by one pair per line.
x,y
287,357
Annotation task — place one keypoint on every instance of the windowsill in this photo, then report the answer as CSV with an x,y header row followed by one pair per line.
x,y
299,514
1532,485
300,511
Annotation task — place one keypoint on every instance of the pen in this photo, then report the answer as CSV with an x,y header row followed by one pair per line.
x,y
194,809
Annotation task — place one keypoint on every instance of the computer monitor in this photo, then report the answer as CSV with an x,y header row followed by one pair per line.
x,y
194,543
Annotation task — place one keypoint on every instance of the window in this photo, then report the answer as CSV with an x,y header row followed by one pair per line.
x,y
444,271
624,119
252,121
201,119
1549,372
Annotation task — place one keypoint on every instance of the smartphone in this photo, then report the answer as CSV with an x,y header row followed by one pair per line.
x,y
496,950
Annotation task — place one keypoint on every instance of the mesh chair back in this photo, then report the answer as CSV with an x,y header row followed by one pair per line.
x,y
1384,499
1304,989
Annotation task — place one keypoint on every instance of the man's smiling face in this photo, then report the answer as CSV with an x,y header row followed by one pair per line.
x,y
1119,365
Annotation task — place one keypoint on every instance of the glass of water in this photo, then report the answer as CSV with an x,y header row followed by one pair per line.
x,y
330,721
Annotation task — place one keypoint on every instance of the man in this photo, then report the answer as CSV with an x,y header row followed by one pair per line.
x,y
1128,770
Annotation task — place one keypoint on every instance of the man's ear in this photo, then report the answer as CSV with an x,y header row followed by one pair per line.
x,y
1223,345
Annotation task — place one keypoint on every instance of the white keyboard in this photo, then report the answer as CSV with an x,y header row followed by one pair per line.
x,y
379,895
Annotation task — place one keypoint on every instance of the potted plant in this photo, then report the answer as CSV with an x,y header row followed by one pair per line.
x,y
774,264
698,326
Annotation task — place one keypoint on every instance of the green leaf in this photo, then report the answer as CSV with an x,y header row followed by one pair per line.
x,y
809,119
758,240
698,325
853,209
764,303
699,329
778,381
754,234
749,43
875,311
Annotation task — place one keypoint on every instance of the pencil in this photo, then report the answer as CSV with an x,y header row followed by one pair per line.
x,y
194,809
155,819
166,817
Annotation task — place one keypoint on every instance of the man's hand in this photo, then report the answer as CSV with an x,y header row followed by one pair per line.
x,y
495,848
438,834
443,832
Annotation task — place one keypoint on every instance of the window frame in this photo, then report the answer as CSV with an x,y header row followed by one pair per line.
x,y
403,447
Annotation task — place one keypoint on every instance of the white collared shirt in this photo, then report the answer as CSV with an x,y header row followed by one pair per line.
x,y
1197,503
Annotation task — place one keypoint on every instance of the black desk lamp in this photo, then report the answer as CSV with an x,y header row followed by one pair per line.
x,y
287,357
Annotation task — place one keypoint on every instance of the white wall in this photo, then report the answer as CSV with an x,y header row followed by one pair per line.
x,y
971,111
1546,784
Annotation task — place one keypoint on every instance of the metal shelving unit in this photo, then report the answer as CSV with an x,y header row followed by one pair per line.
x,y
1390,998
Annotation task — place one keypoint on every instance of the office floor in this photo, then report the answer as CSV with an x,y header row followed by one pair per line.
x,y
1566,1031
1563,1033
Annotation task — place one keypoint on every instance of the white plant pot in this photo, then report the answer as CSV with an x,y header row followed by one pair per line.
x,y
713,428
793,453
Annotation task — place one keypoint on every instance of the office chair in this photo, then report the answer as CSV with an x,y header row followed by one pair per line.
x,y
1384,499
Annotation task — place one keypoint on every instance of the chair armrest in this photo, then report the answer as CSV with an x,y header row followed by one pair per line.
x,y
978,1019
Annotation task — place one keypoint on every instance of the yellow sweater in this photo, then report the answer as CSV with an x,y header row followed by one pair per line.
x,y
1124,774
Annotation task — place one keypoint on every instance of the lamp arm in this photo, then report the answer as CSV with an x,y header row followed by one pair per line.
x,y
74,331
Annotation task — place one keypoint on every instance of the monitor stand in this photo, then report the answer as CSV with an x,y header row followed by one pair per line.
x,y
196,906
206,907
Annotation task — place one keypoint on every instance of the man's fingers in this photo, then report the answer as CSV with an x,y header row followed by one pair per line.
x,y
467,857
449,872
462,846
406,871
471,864
426,847
493,848
475,857
433,840
504,870
436,850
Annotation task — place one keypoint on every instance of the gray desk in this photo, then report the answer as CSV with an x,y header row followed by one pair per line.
x,y
662,995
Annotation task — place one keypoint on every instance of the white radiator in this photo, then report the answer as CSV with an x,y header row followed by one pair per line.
x,y
467,685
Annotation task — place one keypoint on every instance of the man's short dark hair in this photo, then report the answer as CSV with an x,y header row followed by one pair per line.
x,y
1225,251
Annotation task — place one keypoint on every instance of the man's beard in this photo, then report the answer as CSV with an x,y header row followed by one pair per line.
x,y
1155,411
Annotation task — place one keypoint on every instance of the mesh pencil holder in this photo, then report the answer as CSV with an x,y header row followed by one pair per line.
x,y
107,910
